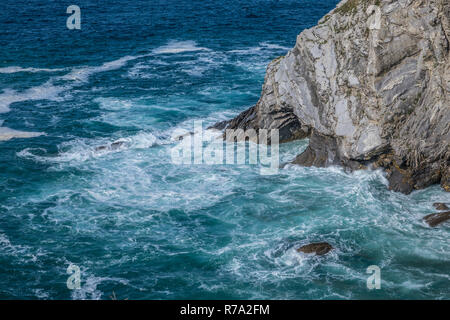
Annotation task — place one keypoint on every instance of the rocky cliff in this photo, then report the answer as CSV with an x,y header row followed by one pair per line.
x,y
370,86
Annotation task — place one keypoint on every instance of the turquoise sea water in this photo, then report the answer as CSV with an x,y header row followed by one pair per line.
x,y
144,228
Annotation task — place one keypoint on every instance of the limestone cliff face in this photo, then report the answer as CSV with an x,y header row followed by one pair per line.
x,y
370,84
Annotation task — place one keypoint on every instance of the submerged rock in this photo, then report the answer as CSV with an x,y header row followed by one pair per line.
x,y
113,146
101,148
117,144
319,248
437,218
440,206
187,134
369,82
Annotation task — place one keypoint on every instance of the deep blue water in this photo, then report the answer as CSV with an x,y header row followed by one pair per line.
x,y
144,228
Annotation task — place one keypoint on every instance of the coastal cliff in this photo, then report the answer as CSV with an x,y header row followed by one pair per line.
x,y
369,85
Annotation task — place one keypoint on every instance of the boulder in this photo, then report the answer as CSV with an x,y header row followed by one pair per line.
x,y
101,148
113,146
441,206
437,218
319,248
117,144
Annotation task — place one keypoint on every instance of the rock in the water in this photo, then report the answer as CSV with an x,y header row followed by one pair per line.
x,y
441,206
319,249
113,146
101,148
371,79
117,144
183,136
437,218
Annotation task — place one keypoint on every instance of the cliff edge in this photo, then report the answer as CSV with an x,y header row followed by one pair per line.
x,y
369,85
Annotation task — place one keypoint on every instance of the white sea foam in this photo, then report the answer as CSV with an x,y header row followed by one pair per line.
x,y
82,74
262,48
273,46
256,58
142,140
143,70
24,253
204,61
80,150
114,104
4,106
50,91
174,47
16,69
7,134
131,112
46,91
89,291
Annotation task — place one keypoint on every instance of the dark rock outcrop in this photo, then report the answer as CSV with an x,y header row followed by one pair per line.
x,y
437,218
116,145
321,152
371,82
445,179
440,206
400,180
319,248
101,148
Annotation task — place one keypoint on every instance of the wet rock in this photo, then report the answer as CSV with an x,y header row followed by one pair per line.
x,y
245,120
400,180
441,206
113,146
437,218
383,161
117,144
181,137
220,125
101,148
321,152
319,248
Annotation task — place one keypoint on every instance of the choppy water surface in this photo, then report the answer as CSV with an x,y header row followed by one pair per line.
x,y
140,226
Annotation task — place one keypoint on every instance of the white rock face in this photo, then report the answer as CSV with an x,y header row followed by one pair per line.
x,y
365,69
374,76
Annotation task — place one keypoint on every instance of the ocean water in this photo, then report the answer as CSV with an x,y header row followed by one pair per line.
x,y
140,226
